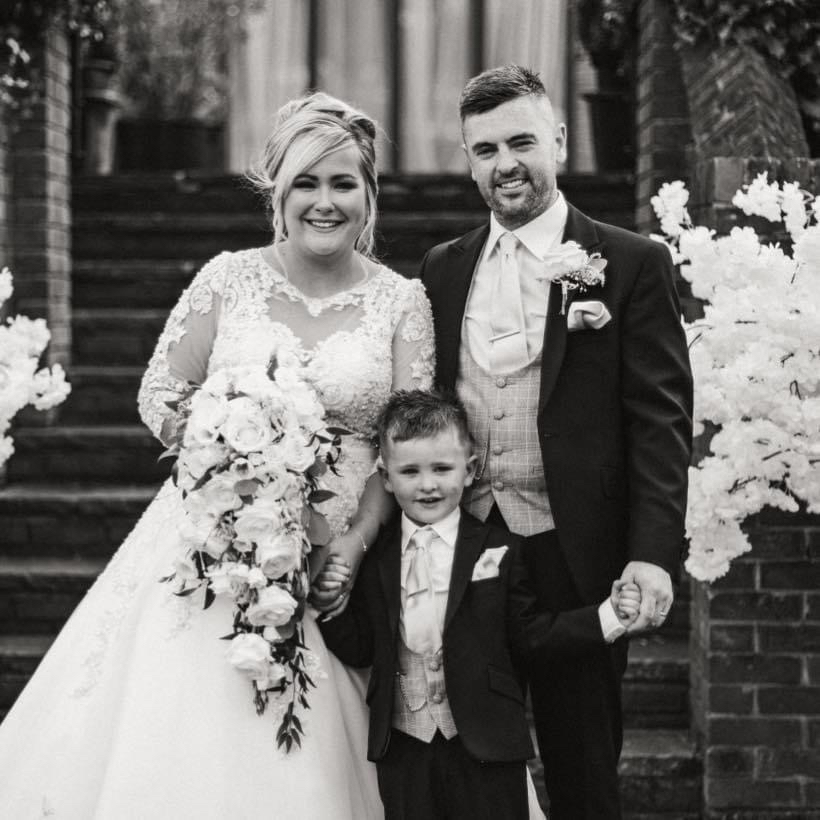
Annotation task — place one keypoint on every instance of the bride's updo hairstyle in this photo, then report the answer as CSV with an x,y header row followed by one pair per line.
x,y
305,131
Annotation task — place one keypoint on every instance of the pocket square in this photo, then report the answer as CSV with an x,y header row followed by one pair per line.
x,y
488,563
587,315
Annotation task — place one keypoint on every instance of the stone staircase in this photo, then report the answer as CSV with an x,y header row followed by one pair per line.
x,y
75,489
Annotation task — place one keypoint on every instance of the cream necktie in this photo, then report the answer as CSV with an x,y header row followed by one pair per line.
x,y
419,617
508,342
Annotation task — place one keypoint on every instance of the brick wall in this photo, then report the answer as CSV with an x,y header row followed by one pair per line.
x,y
40,218
662,116
755,640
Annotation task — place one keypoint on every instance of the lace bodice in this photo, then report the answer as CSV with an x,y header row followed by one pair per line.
x,y
355,346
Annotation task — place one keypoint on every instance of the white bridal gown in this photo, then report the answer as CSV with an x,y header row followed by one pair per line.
x,y
134,712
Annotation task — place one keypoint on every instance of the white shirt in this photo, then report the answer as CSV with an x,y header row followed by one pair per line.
x,y
441,551
536,239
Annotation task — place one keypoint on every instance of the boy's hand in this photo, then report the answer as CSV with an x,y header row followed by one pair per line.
x,y
626,601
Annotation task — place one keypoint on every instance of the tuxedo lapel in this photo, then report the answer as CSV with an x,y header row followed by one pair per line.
x,y
471,537
462,258
580,229
390,575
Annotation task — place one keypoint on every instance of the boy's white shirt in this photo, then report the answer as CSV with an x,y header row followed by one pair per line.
x,y
447,530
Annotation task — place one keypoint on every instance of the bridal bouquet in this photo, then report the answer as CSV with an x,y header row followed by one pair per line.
x,y
22,341
756,363
251,447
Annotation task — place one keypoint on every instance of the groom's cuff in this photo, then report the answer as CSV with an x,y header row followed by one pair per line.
x,y
610,625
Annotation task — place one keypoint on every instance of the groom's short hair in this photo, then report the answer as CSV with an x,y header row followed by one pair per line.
x,y
410,414
495,86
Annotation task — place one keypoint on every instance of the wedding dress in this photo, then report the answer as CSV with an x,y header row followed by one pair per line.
x,y
134,712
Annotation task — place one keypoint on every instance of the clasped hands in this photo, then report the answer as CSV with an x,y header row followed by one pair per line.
x,y
643,596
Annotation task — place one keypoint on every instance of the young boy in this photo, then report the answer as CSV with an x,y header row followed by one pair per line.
x,y
442,610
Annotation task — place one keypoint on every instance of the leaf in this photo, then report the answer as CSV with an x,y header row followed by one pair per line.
x,y
246,487
210,596
339,431
318,496
186,592
318,530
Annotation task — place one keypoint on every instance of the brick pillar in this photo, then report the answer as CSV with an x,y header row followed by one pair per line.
x,y
662,119
755,674
40,216
755,639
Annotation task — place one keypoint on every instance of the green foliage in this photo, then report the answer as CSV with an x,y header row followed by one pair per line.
x,y
22,27
786,32
174,57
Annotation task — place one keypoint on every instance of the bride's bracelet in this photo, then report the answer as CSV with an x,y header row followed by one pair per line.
x,y
361,538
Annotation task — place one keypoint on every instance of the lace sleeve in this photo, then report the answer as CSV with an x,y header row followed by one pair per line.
x,y
184,347
413,341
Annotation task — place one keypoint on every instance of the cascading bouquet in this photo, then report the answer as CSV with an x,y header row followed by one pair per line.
x,y
250,447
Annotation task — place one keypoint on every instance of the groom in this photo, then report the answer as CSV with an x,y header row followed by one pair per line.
x,y
580,403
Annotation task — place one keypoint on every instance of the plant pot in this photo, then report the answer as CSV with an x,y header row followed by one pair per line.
x,y
170,145
101,104
613,130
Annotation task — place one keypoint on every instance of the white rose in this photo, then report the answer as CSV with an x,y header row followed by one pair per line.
x,y
246,428
279,554
208,409
275,606
567,257
272,679
256,578
197,459
255,522
218,384
199,432
250,653
255,384
219,496
229,578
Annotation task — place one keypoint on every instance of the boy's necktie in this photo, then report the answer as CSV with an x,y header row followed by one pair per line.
x,y
419,617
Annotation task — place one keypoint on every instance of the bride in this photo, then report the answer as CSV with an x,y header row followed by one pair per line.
x,y
134,712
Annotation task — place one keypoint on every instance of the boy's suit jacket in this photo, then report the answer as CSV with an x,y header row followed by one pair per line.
x,y
488,625
615,411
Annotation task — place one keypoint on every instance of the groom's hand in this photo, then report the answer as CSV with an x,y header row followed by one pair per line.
x,y
656,593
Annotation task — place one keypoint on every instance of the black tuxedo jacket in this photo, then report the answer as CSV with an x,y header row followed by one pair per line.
x,y
615,412
488,624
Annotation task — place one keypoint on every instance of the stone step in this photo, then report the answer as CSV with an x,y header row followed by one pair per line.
x,y
88,454
400,236
116,336
19,656
656,683
68,521
38,594
102,395
660,776
140,284
185,193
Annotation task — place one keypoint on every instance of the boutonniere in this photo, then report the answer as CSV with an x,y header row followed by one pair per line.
x,y
574,269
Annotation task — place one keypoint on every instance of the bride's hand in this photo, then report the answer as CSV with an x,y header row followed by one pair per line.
x,y
331,584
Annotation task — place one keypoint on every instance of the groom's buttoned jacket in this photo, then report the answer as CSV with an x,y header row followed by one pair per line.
x,y
481,618
615,404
